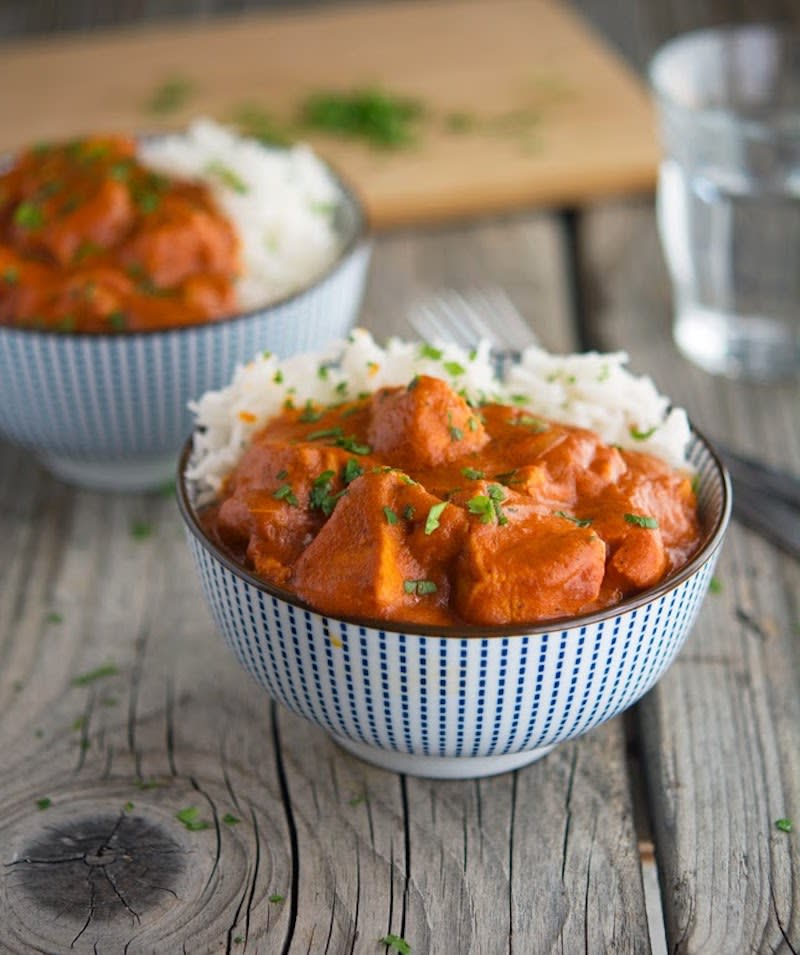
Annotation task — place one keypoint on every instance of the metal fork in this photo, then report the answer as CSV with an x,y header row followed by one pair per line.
x,y
765,499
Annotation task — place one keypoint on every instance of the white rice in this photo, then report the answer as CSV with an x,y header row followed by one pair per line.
x,y
588,390
281,202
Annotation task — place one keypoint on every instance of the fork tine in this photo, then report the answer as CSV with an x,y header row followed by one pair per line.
x,y
470,316
511,328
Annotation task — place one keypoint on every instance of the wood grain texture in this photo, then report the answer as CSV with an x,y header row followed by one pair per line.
x,y
720,732
328,854
554,115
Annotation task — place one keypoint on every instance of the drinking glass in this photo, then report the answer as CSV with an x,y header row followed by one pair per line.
x,y
728,199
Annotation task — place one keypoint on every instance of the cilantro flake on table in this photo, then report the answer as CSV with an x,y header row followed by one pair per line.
x,y
44,803
99,673
785,825
190,818
397,943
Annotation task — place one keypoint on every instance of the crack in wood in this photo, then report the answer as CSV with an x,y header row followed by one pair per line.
x,y
286,800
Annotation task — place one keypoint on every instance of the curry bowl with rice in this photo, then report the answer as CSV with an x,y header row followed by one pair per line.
x,y
136,274
447,572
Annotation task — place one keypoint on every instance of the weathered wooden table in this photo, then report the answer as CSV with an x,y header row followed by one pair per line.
x,y
121,711
120,708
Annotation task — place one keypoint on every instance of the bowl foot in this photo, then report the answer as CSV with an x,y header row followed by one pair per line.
x,y
441,767
135,474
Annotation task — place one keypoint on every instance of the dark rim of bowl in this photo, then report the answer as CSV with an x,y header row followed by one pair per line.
x,y
708,546
357,236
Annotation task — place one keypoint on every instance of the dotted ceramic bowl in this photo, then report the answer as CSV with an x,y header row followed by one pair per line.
x,y
458,703
109,411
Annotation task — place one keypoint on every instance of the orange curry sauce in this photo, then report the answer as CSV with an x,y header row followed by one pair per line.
x,y
92,241
411,505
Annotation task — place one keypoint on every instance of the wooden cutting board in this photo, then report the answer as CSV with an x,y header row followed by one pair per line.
x,y
548,114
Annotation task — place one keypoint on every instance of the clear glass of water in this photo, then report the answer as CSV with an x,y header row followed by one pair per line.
x,y
728,200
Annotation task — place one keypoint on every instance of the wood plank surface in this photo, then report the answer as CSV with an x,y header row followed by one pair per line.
x,y
721,732
553,115
329,854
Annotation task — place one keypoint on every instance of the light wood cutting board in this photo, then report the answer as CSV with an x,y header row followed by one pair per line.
x,y
557,118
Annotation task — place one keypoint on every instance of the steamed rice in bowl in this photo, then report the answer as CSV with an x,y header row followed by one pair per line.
x,y
587,390
98,362
446,701
407,484
282,202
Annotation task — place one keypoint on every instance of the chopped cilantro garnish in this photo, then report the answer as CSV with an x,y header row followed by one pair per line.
x,y
324,433
190,817
380,118
117,321
399,944
351,443
453,368
530,421
128,807
141,530
148,202
120,171
487,506
432,520
389,514
472,423
28,215
352,470
482,506
472,474
282,474
419,587
508,477
278,377
170,96
54,617
456,434
428,351
579,521
715,585
44,803
785,825
341,388
638,435
230,820
227,177
84,679
310,413
321,495
285,493
276,897
84,250
408,512
641,520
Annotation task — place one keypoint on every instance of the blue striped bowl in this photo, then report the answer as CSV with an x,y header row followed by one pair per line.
x,y
458,703
109,411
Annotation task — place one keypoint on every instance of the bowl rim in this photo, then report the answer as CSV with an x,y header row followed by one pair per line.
x,y
709,544
357,238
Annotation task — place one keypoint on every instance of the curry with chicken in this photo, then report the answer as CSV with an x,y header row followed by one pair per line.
x,y
412,505
92,241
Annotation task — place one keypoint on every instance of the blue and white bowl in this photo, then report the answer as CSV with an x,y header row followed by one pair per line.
x,y
458,703
109,411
